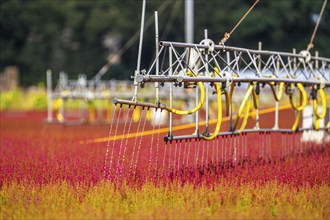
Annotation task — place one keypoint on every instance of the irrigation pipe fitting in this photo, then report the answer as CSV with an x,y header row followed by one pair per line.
x,y
209,43
306,56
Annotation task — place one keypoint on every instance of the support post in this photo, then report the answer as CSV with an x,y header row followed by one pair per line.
x,y
138,68
196,114
259,68
49,96
189,21
276,127
294,61
63,82
157,57
207,91
296,98
230,103
171,91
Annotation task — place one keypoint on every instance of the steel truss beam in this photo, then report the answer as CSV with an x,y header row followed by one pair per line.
x,y
240,64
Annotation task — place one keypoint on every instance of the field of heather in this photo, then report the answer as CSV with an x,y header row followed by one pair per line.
x,y
53,171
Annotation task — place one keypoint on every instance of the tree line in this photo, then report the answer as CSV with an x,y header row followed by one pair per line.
x,y
77,36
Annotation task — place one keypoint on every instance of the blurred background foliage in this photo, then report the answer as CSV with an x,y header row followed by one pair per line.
x,y
77,36
33,98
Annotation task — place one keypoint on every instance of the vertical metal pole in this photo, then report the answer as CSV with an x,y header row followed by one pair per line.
x,y
230,101
207,90
197,114
63,81
171,90
137,71
276,102
295,97
189,21
157,57
316,61
259,68
294,61
189,38
49,96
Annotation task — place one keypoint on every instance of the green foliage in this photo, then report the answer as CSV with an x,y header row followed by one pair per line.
x,y
40,98
33,99
8,98
69,35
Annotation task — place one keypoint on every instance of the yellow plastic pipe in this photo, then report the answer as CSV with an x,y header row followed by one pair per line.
x,y
246,116
136,114
324,105
302,105
278,95
302,98
296,122
60,117
196,108
316,122
245,105
218,125
57,106
318,116
246,98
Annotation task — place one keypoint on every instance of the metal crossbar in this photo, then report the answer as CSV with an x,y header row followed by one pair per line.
x,y
239,63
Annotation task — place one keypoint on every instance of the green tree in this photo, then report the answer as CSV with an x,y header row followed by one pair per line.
x,y
77,36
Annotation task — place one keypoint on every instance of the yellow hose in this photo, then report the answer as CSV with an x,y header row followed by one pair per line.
x,y
302,104
316,122
318,116
246,98
246,116
57,106
278,95
136,114
245,106
196,108
302,98
324,105
296,122
218,125
60,117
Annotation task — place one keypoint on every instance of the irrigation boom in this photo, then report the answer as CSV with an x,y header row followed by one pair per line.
x,y
190,65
